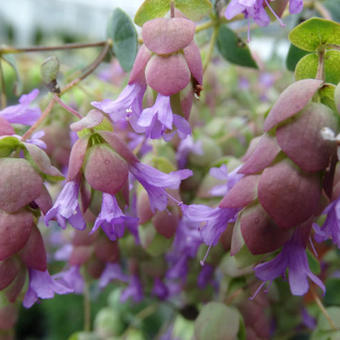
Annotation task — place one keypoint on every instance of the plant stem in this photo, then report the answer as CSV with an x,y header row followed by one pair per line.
x,y
172,9
87,308
323,309
3,99
333,47
204,26
90,69
320,74
67,107
322,10
211,49
46,112
14,50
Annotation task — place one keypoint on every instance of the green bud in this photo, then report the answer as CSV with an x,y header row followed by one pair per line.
x,y
49,70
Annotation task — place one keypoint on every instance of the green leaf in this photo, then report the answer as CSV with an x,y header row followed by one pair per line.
x,y
293,56
326,94
9,144
124,36
314,33
217,321
308,65
194,9
151,9
233,48
314,264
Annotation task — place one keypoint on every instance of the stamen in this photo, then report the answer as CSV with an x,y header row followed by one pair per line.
x,y
202,262
275,15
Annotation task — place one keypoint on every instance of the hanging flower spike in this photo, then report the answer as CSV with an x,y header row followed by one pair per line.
x,y
128,105
66,208
111,218
22,113
155,182
294,258
159,118
331,227
134,290
43,286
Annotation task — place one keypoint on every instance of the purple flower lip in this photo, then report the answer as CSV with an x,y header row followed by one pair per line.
x,y
66,208
22,113
43,286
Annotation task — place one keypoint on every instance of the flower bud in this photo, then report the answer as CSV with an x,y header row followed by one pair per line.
x,y
165,223
108,323
49,70
33,254
19,184
105,170
288,195
15,230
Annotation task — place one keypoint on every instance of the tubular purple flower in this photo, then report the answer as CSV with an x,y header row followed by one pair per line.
x,y
186,146
72,278
331,227
134,290
66,208
128,105
294,258
211,222
160,289
22,113
112,219
251,9
111,272
159,118
43,286
155,182
205,276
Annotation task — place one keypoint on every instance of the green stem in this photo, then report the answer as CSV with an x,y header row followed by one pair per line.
x,y
333,47
211,48
14,50
44,115
205,26
320,74
87,308
90,69
3,100
322,10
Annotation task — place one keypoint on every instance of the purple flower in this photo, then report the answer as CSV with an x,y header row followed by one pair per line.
x,y
179,268
155,182
295,6
294,258
128,105
111,272
134,290
72,278
43,286
22,113
111,218
251,9
187,146
331,227
308,320
139,142
205,276
64,253
160,289
159,118
222,174
211,222
66,208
